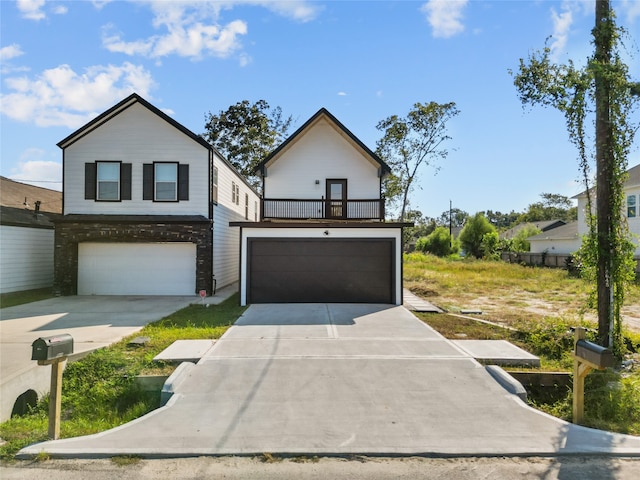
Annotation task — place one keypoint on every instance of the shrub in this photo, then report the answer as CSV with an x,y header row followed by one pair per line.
x,y
473,233
438,242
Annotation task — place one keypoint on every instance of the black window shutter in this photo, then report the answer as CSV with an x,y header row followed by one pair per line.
x,y
89,181
147,181
125,181
183,182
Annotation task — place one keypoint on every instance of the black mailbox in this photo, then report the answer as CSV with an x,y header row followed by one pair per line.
x,y
593,353
49,348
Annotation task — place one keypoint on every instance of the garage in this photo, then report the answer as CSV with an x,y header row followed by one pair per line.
x,y
136,268
311,270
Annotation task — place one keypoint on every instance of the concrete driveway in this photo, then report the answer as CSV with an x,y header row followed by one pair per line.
x,y
316,379
93,321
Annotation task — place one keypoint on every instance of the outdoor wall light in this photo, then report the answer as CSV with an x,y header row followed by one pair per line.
x,y
317,182
326,233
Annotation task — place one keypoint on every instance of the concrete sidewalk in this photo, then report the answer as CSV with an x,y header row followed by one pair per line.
x,y
93,321
316,379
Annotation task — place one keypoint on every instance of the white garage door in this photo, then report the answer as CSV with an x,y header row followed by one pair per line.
x,y
136,268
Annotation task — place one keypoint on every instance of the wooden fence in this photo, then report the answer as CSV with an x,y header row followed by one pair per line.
x,y
552,260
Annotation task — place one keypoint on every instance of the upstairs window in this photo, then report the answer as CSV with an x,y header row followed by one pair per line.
x,y
165,182
233,192
632,207
108,181
246,206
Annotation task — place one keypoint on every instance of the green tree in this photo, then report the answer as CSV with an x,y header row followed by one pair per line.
x,y
422,226
519,243
438,242
472,234
603,93
410,142
246,133
502,220
458,218
552,207
490,245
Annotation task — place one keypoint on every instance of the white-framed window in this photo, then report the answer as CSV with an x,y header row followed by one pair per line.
x,y
108,181
214,185
234,195
246,206
255,212
166,182
632,206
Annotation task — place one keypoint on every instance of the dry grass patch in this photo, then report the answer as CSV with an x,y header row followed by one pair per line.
x,y
507,293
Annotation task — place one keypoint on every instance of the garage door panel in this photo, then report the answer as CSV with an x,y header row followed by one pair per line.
x,y
304,270
320,263
136,268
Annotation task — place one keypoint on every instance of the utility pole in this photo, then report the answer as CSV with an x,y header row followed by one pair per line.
x,y
450,225
603,39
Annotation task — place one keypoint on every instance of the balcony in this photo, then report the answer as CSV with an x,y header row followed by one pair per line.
x,y
322,209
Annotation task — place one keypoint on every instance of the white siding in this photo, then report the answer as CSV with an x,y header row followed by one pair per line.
x,y
558,246
136,136
321,153
322,233
26,258
226,239
634,223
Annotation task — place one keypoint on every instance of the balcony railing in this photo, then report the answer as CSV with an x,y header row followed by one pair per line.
x,y
291,209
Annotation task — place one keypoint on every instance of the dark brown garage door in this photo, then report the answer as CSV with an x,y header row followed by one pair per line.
x,y
316,271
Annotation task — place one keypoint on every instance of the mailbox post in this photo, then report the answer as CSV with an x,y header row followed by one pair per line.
x,y
586,357
53,351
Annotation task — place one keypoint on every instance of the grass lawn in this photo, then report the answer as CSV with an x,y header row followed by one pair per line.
x,y
99,391
540,305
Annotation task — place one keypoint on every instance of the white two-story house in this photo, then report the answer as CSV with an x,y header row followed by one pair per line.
x,y
146,208
321,236
568,238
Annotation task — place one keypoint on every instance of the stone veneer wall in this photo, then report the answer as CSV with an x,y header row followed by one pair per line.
x,y
69,233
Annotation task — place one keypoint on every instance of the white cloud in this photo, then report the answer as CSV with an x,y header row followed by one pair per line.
x,y
342,94
62,97
31,9
193,28
299,10
10,51
189,29
631,9
33,169
561,26
445,16
60,10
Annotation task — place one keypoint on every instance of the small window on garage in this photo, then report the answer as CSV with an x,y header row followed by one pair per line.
x,y
166,182
632,207
108,181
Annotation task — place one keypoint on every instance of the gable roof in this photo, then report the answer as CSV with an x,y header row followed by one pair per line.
x,y
323,113
121,107
564,232
22,196
633,180
543,225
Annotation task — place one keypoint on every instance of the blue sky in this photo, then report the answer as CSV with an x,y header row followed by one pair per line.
x,y
64,62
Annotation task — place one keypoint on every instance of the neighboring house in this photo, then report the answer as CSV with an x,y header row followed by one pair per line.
x,y
631,192
147,206
569,238
543,226
321,235
561,240
26,235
